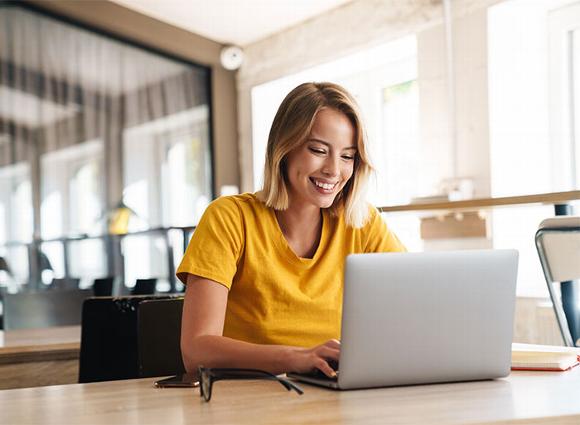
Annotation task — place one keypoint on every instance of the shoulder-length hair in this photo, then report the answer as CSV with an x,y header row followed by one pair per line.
x,y
292,126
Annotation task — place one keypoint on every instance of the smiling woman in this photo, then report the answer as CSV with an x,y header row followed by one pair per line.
x,y
320,114
264,271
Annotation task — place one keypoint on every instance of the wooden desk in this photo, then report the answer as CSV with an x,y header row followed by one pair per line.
x,y
524,397
37,357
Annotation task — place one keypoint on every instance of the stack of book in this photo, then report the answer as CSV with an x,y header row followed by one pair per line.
x,y
544,357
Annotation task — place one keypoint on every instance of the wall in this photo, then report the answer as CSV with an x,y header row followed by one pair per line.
x,y
535,322
471,106
125,23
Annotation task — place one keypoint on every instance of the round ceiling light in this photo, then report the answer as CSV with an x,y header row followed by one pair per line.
x,y
231,57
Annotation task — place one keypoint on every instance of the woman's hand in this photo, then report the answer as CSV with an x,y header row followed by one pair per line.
x,y
307,359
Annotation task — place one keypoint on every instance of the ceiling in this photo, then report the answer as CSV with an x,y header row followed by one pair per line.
x,y
239,22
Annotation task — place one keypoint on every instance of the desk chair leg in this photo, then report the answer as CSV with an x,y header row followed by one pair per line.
x,y
570,299
569,289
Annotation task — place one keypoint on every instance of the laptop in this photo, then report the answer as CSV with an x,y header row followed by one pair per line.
x,y
422,318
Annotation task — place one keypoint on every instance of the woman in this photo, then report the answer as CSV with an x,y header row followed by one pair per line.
x,y
264,271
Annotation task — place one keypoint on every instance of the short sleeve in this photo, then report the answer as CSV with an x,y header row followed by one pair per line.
x,y
378,237
216,245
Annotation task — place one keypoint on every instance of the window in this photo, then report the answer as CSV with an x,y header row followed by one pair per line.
x,y
86,198
564,101
167,183
16,217
72,196
396,157
15,203
168,170
530,137
72,203
69,97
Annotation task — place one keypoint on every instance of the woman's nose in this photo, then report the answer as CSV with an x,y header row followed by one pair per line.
x,y
331,166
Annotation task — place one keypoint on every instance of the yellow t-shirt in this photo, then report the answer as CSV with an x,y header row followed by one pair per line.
x,y
276,297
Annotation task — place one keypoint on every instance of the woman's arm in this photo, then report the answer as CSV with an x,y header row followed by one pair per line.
x,y
202,343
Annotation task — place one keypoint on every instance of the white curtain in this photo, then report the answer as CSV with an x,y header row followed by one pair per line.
x,y
71,102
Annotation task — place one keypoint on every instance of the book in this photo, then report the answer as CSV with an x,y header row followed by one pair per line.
x,y
544,357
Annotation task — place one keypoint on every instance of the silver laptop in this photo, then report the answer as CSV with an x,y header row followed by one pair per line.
x,y
418,318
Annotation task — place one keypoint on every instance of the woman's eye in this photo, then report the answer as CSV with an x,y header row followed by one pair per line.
x,y
318,151
347,157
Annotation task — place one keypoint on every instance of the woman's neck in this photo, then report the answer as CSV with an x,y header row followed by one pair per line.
x,y
297,221
302,229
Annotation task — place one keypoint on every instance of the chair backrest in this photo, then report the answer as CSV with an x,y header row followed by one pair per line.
x,y
109,342
558,245
559,238
44,309
103,287
144,287
65,283
159,334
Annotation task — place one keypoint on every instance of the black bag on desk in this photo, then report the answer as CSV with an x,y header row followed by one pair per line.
x,y
110,338
159,336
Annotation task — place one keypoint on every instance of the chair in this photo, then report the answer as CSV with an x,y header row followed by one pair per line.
x,y
109,338
65,283
103,287
3,292
43,309
558,245
144,287
158,335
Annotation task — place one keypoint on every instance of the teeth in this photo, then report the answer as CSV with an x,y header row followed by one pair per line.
x,y
325,186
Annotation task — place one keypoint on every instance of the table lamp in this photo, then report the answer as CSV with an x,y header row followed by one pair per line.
x,y
5,269
118,219
4,266
5,272
46,270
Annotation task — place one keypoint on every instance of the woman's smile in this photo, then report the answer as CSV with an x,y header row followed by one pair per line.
x,y
324,186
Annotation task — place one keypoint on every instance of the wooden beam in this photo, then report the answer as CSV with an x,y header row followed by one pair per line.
x,y
553,198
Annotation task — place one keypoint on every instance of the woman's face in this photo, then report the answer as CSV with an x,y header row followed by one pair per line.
x,y
320,168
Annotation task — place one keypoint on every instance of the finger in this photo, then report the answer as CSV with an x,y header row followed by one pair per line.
x,y
328,353
325,368
334,343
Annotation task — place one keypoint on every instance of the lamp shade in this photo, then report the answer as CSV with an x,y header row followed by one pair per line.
x,y
4,266
44,262
119,219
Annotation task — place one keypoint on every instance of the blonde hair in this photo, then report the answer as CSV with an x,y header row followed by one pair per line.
x,y
292,126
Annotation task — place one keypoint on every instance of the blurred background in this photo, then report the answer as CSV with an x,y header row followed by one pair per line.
x,y
121,120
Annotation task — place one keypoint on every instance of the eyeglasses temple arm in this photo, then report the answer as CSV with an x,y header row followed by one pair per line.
x,y
284,382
